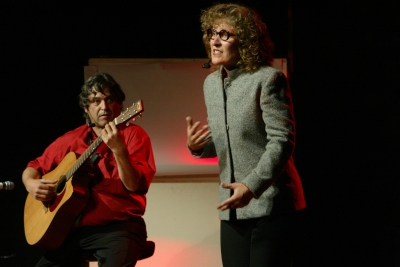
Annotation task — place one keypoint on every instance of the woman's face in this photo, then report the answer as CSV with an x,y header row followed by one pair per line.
x,y
224,52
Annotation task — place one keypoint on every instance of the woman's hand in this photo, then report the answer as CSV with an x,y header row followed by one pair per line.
x,y
197,139
240,198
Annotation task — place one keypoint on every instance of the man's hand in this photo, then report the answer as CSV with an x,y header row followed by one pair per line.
x,y
41,189
111,137
240,198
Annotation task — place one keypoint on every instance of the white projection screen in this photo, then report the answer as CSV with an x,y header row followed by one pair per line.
x,y
171,90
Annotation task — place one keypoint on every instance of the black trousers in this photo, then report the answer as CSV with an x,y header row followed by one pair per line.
x,y
261,242
114,245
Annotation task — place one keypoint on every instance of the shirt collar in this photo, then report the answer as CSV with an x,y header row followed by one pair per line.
x,y
232,74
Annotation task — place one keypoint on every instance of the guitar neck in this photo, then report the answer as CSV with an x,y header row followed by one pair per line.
x,y
88,152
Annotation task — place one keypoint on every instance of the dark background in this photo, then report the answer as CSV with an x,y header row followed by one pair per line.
x,y
344,83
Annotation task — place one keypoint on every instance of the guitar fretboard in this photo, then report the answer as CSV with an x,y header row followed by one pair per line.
x,y
78,163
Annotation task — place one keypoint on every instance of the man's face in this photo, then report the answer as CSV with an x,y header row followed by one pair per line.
x,y
102,108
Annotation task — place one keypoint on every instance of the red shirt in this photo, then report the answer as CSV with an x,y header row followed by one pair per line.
x,y
109,200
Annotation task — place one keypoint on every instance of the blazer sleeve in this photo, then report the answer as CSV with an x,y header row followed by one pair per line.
x,y
277,114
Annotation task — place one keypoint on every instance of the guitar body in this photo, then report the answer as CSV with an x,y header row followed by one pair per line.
x,y
47,224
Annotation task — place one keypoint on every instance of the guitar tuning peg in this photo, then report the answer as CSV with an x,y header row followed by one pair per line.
x,y
131,121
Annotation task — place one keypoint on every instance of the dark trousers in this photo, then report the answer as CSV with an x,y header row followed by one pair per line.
x,y
115,245
261,242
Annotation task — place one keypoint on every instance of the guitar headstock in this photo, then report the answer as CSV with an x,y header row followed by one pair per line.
x,y
135,110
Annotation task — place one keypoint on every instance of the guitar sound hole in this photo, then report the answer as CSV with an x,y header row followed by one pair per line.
x,y
61,184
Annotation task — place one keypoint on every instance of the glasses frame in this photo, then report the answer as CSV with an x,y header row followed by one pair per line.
x,y
212,33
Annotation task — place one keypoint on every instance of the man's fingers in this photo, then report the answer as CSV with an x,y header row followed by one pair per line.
x,y
112,126
46,181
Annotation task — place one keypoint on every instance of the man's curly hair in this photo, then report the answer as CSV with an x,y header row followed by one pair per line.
x,y
99,82
255,45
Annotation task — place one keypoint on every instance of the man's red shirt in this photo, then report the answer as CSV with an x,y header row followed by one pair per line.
x,y
109,200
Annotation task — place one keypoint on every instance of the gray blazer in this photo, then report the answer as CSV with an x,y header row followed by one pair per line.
x,y
253,135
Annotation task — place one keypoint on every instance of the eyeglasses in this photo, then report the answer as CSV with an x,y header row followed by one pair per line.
x,y
224,35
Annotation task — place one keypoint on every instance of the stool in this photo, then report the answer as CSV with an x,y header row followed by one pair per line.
x,y
147,252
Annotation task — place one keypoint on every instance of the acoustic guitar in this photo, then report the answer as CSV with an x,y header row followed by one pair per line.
x,y
47,224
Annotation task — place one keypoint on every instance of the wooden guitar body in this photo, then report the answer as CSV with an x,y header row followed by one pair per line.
x,y
47,224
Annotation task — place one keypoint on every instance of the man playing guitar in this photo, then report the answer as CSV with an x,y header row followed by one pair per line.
x,y
109,187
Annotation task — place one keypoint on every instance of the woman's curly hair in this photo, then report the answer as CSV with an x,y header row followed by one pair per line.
x,y
255,45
